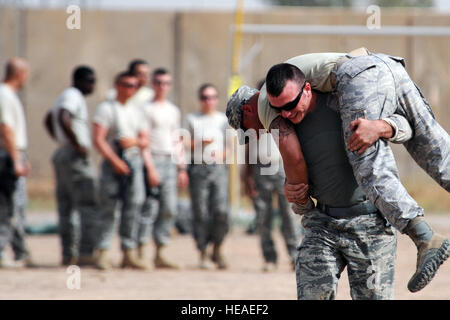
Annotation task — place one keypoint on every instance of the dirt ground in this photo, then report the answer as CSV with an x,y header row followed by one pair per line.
x,y
244,280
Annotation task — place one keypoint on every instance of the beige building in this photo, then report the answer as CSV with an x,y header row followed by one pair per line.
x,y
196,47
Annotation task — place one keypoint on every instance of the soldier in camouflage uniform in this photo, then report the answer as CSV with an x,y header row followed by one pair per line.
x,y
67,123
14,165
345,229
121,136
262,184
168,171
371,87
208,176
429,146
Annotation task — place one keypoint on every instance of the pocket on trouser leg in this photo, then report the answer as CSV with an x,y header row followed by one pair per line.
x,y
86,192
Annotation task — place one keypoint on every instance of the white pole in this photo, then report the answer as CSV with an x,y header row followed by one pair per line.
x,y
345,30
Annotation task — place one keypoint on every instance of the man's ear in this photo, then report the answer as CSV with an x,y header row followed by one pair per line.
x,y
308,86
307,90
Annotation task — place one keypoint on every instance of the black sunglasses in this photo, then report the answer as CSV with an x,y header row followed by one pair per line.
x,y
128,85
205,97
160,83
290,105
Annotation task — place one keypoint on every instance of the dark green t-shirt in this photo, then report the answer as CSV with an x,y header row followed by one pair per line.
x,y
330,173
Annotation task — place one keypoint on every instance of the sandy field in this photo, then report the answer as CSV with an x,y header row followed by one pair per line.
x,y
244,280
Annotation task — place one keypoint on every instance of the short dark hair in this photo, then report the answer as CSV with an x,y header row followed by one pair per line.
x,y
123,74
158,72
204,86
81,73
278,75
134,63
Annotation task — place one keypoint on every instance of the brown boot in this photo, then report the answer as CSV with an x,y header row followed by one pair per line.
x,y
102,261
218,258
131,261
69,260
86,260
432,250
161,262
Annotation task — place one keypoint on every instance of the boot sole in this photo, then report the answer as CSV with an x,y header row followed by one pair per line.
x,y
166,267
134,267
430,268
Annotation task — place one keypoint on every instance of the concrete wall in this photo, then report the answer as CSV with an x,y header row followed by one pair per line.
x,y
196,47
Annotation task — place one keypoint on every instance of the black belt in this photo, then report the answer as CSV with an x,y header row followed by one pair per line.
x,y
359,209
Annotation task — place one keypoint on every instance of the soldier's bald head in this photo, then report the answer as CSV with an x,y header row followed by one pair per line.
x,y
17,70
14,67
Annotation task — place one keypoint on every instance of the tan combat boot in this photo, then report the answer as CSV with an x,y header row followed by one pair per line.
x,y
28,262
142,251
161,262
102,261
433,249
69,260
204,260
218,258
269,267
131,261
86,260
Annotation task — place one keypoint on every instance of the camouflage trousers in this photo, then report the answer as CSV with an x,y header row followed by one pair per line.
x,y
76,197
374,87
159,210
12,215
129,203
430,144
363,244
266,186
208,187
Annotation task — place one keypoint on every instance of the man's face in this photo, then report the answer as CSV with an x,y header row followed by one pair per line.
x,y
142,72
289,94
162,84
250,114
209,99
87,85
126,87
23,76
